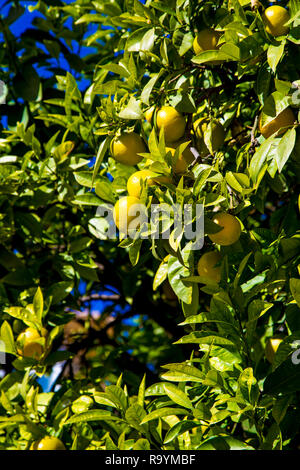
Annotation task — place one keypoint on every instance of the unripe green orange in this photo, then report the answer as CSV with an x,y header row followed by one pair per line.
x,y
121,213
206,40
269,126
172,122
207,266
274,19
231,229
125,149
48,443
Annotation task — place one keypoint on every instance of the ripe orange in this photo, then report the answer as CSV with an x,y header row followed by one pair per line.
x,y
125,149
217,134
123,214
231,229
172,122
134,183
272,345
48,443
269,126
274,19
27,345
207,266
184,159
206,40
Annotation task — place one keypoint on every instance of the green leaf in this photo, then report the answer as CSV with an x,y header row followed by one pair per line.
x,y
295,289
141,392
180,428
223,443
162,412
178,396
100,155
160,275
141,444
92,415
38,305
190,373
7,343
132,110
285,148
134,416
259,158
208,56
207,337
104,190
274,54
285,379
147,90
280,408
176,274
59,291
117,396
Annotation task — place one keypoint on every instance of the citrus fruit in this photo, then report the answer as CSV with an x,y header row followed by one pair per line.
x,y
27,344
274,19
207,266
183,160
206,40
48,443
217,134
125,149
124,212
172,122
149,114
272,345
269,126
231,229
134,183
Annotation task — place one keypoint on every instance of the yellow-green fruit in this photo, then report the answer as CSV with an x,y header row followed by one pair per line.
x,y
217,134
134,183
230,232
48,443
183,160
27,345
269,126
172,122
207,266
125,149
124,212
149,114
274,19
272,345
206,40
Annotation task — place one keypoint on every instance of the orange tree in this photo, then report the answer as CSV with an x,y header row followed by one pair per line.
x,y
199,101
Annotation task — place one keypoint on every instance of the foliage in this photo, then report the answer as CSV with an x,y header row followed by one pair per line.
x,y
187,374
